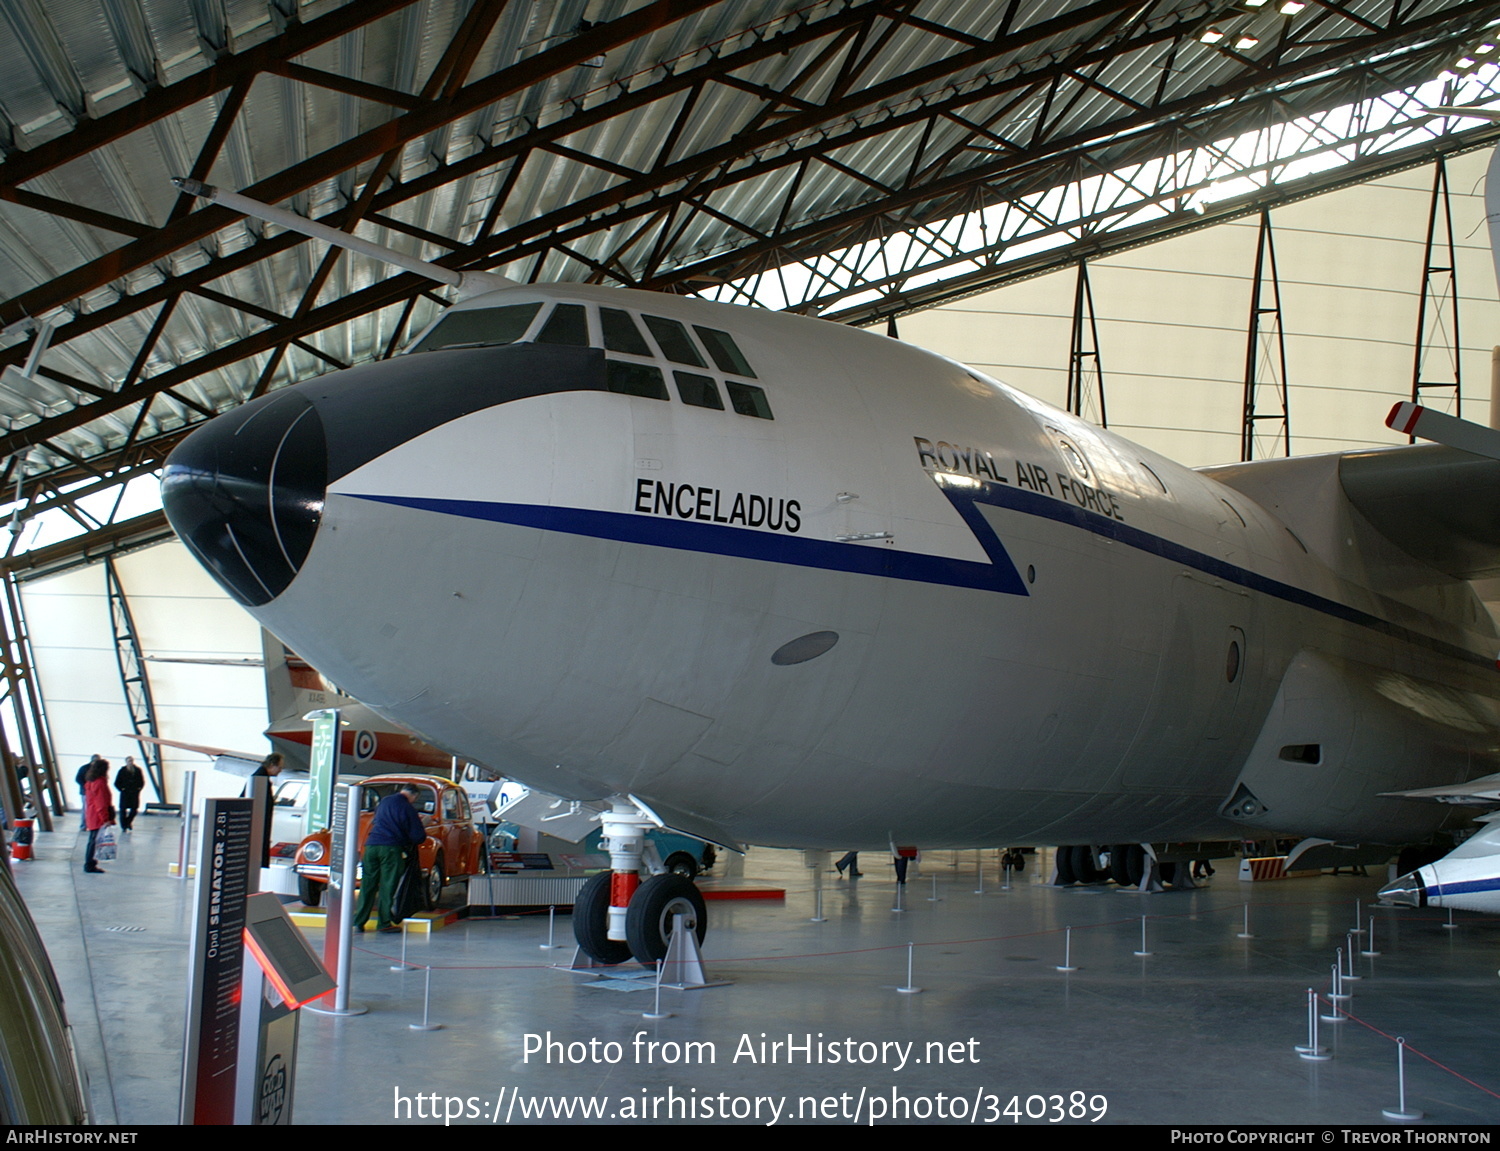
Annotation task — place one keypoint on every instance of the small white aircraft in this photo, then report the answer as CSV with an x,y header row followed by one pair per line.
x,y
762,578
1467,878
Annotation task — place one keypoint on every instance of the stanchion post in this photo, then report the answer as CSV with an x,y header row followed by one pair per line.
x,y
185,848
1313,1051
403,965
1143,952
1333,1015
426,1000
656,1012
1246,933
551,944
1067,963
909,989
1400,1113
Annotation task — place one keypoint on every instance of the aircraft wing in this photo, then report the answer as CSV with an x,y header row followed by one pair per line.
x,y
1481,792
1439,504
224,760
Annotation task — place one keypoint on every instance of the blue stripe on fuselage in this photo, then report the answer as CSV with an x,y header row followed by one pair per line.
x,y
1034,504
999,575
1464,887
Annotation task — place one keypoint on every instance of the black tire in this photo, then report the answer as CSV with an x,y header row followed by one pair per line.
x,y
683,864
310,891
1065,874
648,920
591,922
1119,864
1085,867
433,882
1135,863
1167,871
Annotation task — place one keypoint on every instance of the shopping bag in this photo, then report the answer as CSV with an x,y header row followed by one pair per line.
x,y
104,844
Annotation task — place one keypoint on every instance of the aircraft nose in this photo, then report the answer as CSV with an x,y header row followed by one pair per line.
x,y
1407,891
245,493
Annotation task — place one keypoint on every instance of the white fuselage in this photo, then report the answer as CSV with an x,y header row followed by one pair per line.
x,y
1042,632
1467,878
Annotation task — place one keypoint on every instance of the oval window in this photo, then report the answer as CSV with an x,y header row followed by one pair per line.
x,y
1232,661
804,648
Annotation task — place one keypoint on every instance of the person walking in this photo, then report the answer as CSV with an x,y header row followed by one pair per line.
x,y
129,782
83,774
98,812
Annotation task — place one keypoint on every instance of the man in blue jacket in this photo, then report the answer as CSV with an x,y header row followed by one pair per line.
x,y
395,830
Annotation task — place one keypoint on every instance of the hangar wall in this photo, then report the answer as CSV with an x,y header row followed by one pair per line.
x,y
179,612
1173,320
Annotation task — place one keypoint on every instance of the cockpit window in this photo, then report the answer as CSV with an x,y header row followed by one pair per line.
x,y
698,390
749,400
481,328
621,334
675,343
726,353
568,324
636,380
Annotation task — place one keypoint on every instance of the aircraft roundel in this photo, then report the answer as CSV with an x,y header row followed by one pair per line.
x,y
364,745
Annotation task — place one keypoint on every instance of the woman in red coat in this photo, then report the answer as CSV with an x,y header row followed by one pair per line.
x,y
98,812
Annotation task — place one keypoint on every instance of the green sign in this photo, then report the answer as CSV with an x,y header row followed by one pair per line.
x,y
323,766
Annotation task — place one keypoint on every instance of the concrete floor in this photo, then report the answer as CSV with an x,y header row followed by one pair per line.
x,y
1199,1032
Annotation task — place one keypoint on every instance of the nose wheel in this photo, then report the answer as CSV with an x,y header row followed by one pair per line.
x,y
653,911
650,918
591,922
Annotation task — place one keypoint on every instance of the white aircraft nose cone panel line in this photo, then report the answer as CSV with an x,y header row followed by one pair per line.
x,y
1467,878
246,493
1472,885
569,535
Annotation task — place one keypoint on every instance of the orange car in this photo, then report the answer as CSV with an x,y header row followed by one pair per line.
x,y
452,847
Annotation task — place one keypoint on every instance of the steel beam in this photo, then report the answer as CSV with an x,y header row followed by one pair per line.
x,y
368,145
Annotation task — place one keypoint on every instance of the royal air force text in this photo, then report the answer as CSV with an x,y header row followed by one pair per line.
x,y
978,463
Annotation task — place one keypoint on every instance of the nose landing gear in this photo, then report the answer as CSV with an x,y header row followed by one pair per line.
x,y
617,915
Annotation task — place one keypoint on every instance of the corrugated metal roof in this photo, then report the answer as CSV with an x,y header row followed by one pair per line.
x,y
692,141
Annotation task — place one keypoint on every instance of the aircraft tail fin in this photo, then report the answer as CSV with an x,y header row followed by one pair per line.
x,y
288,680
1424,423
280,695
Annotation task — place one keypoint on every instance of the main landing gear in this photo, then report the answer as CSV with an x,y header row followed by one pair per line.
x,y
617,915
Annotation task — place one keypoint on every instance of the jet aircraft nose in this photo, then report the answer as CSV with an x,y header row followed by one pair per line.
x,y
245,493
1407,891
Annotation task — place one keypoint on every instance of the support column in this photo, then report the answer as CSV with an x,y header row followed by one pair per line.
x,y
17,668
1085,373
1266,423
133,679
1436,375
